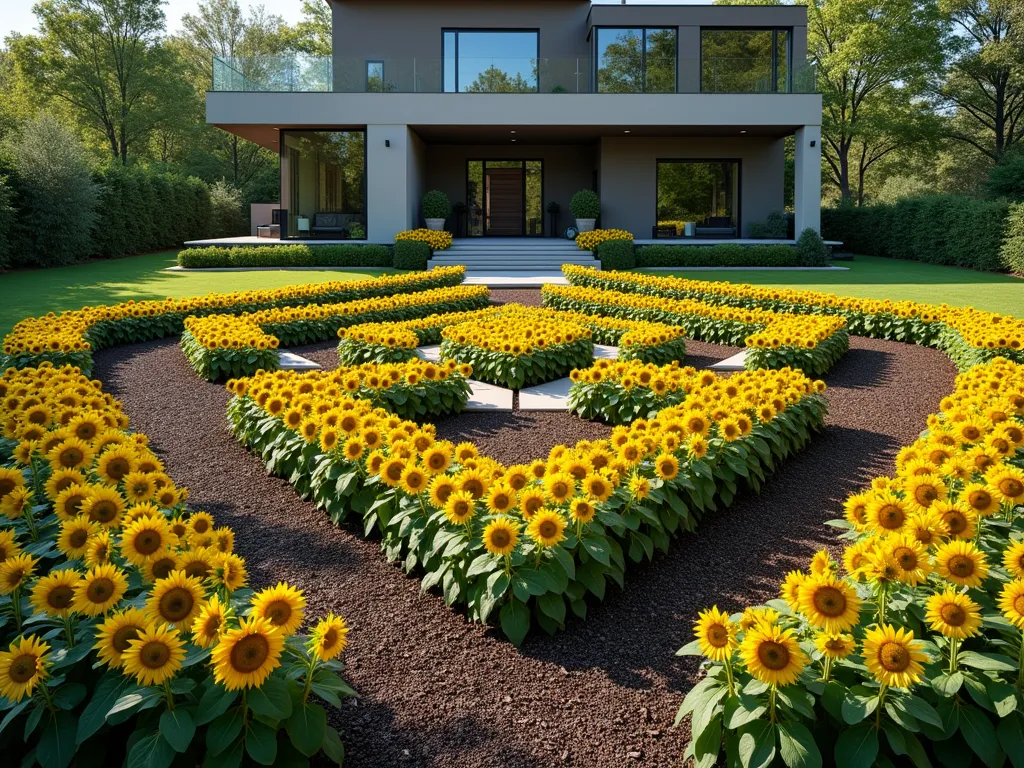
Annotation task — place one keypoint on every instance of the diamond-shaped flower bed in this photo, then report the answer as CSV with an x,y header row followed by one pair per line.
x,y
519,348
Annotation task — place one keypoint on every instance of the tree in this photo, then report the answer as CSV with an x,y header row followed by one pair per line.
x,y
313,33
1006,178
55,181
104,58
495,80
985,83
625,68
875,59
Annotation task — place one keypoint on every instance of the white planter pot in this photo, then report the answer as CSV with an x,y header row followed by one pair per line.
x,y
435,224
585,225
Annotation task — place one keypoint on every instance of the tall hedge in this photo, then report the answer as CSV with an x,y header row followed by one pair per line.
x,y
936,229
1013,244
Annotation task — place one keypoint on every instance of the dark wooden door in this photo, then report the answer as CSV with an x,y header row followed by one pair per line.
x,y
504,201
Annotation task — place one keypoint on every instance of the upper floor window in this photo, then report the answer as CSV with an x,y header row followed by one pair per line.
x,y
490,61
744,60
636,60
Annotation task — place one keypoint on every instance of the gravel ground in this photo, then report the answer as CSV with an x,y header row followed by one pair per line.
x,y
439,691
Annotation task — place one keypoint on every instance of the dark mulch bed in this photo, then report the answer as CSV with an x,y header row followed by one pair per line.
x,y
438,691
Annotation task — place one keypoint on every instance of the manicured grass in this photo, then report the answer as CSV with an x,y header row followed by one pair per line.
x,y
36,292
876,278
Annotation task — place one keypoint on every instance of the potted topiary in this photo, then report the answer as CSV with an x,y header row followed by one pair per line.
x,y
436,209
586,207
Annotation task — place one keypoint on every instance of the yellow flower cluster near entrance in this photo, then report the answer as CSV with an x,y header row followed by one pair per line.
x,y
111,582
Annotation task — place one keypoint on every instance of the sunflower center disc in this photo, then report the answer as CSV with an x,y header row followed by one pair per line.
x,y
154,655
147,542
78,538
249,653
176,604
500,539
547,529
100,590
894,657
123,636
718,636
906,558
773,655
60,597
961,566
953,614
23,668
829,601
279,612
103,512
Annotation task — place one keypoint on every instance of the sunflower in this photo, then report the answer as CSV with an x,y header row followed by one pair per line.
x,y
99,590
756,616
74,536
530,502
923,490
559,486
223,540
282,605
14,571
1013,559
329,638
829,603
414,480
927,527
116,463
146,538
391,471
115,632
69,502
229,572
23,667
639,487
1009,482
912,558
893,657
200,522
960,520
139,487
697,446
8,545
460,507
104,506
160,567
667,466
501,536
821,563
196,562
59,480
953,614
472,481
773,655
501,498
715,633
155,655
175,600
581,510
962,563
245,657
855,510
790,589
1011,602
70,453
437,458
209,623
837,646
53,594
885,510
441,488
546,528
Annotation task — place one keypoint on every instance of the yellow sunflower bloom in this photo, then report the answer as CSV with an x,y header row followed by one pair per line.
x,y
283,605
154,656
961,563
953,614
329,637
8,545
501,536
99,590
716,634
837,646
210,623
245,657
23,667
829,603
1013,559
115,632
893,657
175,600
546,528
773,655
54,593
1011,602
146,538
229,571
74,536
460,507
15,571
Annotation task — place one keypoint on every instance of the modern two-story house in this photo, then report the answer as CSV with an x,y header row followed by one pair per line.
x,y
672,113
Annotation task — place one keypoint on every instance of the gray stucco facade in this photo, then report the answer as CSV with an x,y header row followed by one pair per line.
x,y
418,137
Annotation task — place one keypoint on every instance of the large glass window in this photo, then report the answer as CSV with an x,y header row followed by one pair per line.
x,y
323,183
490,61
704,193
744,60
636,60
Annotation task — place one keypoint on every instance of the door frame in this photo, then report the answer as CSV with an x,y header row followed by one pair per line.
x,y
522,161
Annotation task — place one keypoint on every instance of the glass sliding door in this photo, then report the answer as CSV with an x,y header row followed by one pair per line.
x,y
745,60
705,193
490,61
323,182
636,60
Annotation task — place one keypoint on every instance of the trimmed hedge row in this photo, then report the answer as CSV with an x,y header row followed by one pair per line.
x,y
725,255
411,254
297,255
935,229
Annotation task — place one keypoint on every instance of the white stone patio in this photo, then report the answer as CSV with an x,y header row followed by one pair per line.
x,y
550,396
488,397
289,361
734,363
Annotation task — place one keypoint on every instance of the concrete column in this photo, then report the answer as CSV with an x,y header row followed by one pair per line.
x,y
387,181
807,179
688,41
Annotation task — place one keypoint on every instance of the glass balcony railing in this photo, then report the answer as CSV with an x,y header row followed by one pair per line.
x,y
310,74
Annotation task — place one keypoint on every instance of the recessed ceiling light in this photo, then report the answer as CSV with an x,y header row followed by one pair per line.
x,y
742,131
511,131
625,131
513,139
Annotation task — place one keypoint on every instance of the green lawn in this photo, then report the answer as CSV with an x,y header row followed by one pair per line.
x,y
875,278
36,292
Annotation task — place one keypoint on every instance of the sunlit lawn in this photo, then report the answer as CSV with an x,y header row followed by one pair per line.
x,y
36,292
876,278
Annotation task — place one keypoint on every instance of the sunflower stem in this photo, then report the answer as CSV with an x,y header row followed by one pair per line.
x,y
170,696
883,594
826,671
16,607
30,520
878,710
309,678
729,678
1020,664
46,697
771,702
69,629
954,647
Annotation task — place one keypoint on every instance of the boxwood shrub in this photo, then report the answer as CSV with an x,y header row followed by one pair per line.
x,y
936,229
411,254
724,255
1013,245
617,254
286,256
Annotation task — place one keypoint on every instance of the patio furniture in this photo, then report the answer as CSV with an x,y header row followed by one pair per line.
x,y
329,223
269,230
716,226
662,230
302,226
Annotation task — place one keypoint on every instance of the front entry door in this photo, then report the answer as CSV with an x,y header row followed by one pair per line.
x,y
504,202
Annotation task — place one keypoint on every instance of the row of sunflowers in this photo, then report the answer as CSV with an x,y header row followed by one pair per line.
x,y
910,648
393,342
70,337
588,241
226,345
437,239
129,632
773,339
969,336
524,544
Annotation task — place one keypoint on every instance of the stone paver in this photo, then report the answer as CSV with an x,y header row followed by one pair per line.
x,y
602,352
550,396
289,361
431,353
488,397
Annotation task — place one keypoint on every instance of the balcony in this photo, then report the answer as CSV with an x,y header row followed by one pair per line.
x,y
307,74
